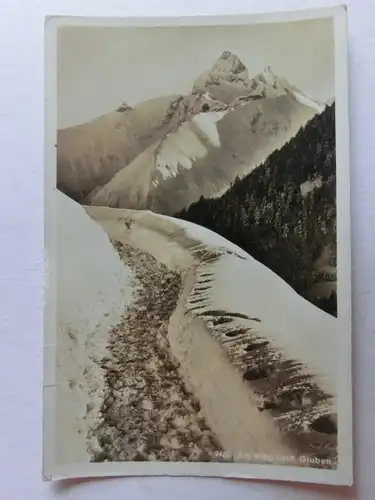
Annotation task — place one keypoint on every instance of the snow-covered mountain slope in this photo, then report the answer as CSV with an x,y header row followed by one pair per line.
x,y
204,155
275,342
90,300
166,153
89,155
179,150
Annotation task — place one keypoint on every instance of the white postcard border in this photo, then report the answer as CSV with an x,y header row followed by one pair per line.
x,y
344,473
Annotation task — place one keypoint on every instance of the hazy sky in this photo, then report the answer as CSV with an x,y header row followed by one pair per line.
x,y
98,68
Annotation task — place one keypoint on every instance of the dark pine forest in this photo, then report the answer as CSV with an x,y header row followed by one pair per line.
x,y
267,214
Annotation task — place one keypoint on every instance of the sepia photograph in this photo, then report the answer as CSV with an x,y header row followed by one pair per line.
x,y
197,247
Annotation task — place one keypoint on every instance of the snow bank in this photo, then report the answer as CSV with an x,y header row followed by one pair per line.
x,y
228,403
296,328
92,293
248,287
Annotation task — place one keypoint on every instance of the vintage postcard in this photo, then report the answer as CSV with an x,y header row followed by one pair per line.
x,y
197,247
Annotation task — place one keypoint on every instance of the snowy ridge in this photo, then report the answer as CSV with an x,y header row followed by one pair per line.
x,y
307,101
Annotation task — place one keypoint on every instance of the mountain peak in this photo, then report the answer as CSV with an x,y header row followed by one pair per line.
x,y
268,84
229,82
268,80
229,63
124,106
227,67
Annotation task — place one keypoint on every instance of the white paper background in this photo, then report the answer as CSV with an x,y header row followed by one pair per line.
x,y
21,254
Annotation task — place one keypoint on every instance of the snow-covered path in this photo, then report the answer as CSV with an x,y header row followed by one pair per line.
x,y
147,413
